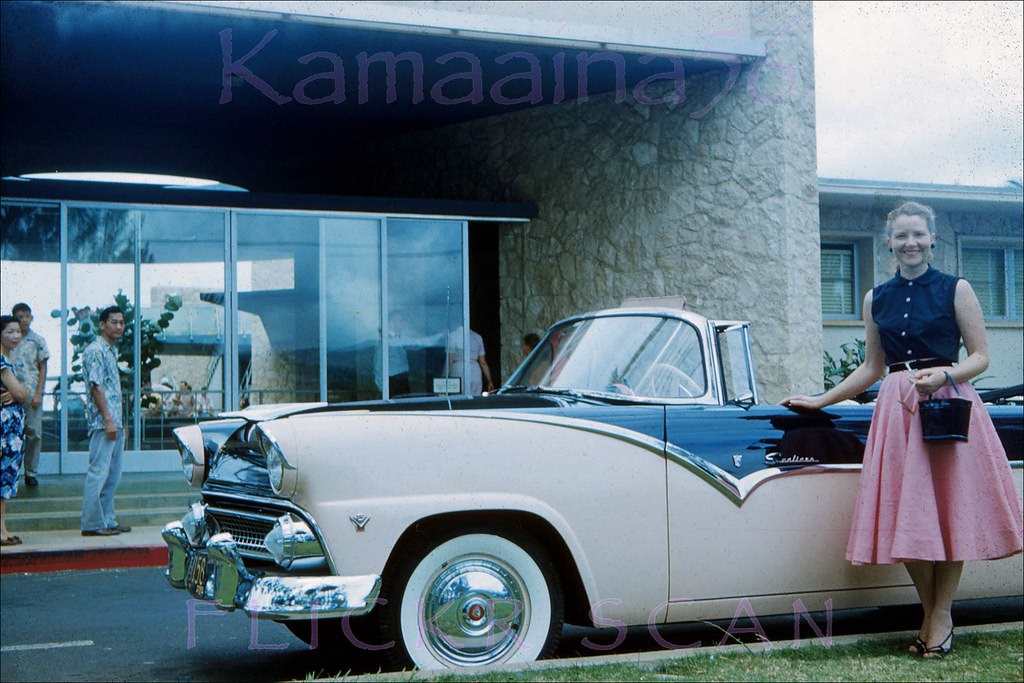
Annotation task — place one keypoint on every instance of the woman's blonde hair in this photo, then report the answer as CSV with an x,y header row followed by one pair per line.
x,y
911,209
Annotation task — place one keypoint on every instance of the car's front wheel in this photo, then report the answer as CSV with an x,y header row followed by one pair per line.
x,y
473,599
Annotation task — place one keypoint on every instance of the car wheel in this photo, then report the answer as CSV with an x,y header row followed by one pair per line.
x,y
473,599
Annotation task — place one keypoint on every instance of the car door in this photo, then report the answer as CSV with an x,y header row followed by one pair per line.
x,y
759,503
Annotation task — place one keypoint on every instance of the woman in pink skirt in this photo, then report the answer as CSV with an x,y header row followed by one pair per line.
x,y
930,505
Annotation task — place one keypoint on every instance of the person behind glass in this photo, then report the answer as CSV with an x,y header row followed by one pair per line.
x,y
929,505
479,370
530,342
12,422
30,360
186,399
104,418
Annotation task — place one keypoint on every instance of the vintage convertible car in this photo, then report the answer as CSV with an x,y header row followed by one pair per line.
x,y
626,474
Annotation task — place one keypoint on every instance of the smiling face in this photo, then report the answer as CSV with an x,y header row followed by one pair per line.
x,y
911,242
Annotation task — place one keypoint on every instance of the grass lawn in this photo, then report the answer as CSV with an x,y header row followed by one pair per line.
x,y
983,655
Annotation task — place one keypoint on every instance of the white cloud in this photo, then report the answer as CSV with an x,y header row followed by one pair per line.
x,y
922,92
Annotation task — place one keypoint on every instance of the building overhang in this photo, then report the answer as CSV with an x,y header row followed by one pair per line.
x,y
885,195
279,100
155,195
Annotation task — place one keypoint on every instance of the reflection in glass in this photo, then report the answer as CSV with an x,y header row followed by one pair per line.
x,y
182,277
632,355
425,304
30,273
101,267
352,290
278,281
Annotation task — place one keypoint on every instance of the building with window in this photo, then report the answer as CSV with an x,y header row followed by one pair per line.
x,y
236,298
412,168
980,234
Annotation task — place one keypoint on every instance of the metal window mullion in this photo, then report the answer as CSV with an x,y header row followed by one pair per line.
x,y
64,361
322,294
466,375
137,337
231,337
385,385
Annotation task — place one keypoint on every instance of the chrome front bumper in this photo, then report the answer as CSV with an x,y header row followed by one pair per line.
x,y
217,573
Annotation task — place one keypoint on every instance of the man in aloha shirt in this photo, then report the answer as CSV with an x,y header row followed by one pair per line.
x,y
103,416
30,357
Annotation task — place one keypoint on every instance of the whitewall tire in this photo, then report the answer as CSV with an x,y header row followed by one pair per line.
x,y
475,599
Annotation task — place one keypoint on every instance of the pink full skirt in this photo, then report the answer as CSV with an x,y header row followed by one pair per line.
x,y
936,501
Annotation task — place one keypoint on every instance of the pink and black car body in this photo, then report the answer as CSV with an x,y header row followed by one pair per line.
x,y
626,474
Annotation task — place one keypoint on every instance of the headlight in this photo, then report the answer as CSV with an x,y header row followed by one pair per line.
x,y
193,455
280,471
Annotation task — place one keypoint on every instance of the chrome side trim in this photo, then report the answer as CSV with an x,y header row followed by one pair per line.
x,y
734,488
739,489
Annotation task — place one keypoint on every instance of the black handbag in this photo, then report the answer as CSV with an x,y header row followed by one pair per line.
x,y
945,419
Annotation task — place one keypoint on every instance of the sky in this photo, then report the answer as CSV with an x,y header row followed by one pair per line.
x,y
928,92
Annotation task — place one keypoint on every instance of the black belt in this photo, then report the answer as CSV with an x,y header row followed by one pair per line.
x,y
920,364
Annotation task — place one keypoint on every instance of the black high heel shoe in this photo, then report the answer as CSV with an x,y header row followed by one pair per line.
x,y
917,647
940,650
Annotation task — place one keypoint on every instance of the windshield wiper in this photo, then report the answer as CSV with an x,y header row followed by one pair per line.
x,y
518,389
579,394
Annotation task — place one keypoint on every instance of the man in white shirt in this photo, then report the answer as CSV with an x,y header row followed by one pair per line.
x,y
30,360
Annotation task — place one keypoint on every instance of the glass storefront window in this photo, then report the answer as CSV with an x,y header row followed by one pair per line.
x,y
181,294
425,307
227,308
100,273
30,273
352,291
278,282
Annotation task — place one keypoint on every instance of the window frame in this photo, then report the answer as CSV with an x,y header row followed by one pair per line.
x,y
834,242
1007,247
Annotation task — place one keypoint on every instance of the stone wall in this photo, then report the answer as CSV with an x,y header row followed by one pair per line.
x,y
712,196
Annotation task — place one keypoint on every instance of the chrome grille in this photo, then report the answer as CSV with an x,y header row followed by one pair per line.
x,y
247,528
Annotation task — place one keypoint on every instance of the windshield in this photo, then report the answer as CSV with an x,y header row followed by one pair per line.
x,y
635,355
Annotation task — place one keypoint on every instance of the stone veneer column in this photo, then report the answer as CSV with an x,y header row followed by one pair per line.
x,y
713,197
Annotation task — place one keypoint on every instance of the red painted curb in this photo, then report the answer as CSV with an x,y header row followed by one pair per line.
x,y
89,558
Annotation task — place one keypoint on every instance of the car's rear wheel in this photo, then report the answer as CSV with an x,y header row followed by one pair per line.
x,y
473,599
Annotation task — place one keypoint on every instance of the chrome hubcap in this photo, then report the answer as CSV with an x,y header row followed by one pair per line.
x,y
474,611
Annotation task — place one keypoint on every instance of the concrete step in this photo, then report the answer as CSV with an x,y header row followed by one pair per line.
x,y
62,485
129,501
149,499
70,521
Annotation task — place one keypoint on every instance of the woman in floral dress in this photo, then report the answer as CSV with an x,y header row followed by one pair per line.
x,y
12,423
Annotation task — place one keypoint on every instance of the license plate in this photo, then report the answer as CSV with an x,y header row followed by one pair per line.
x,y
195,576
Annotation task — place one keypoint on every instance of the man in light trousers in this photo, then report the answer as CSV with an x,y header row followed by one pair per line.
x,y
30,360
104,417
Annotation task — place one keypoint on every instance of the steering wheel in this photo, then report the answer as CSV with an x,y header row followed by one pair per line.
x,y
668,381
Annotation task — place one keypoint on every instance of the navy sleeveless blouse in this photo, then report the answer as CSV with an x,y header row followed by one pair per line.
x,y
916,318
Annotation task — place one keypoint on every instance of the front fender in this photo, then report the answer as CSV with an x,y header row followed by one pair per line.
x,y
367,478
